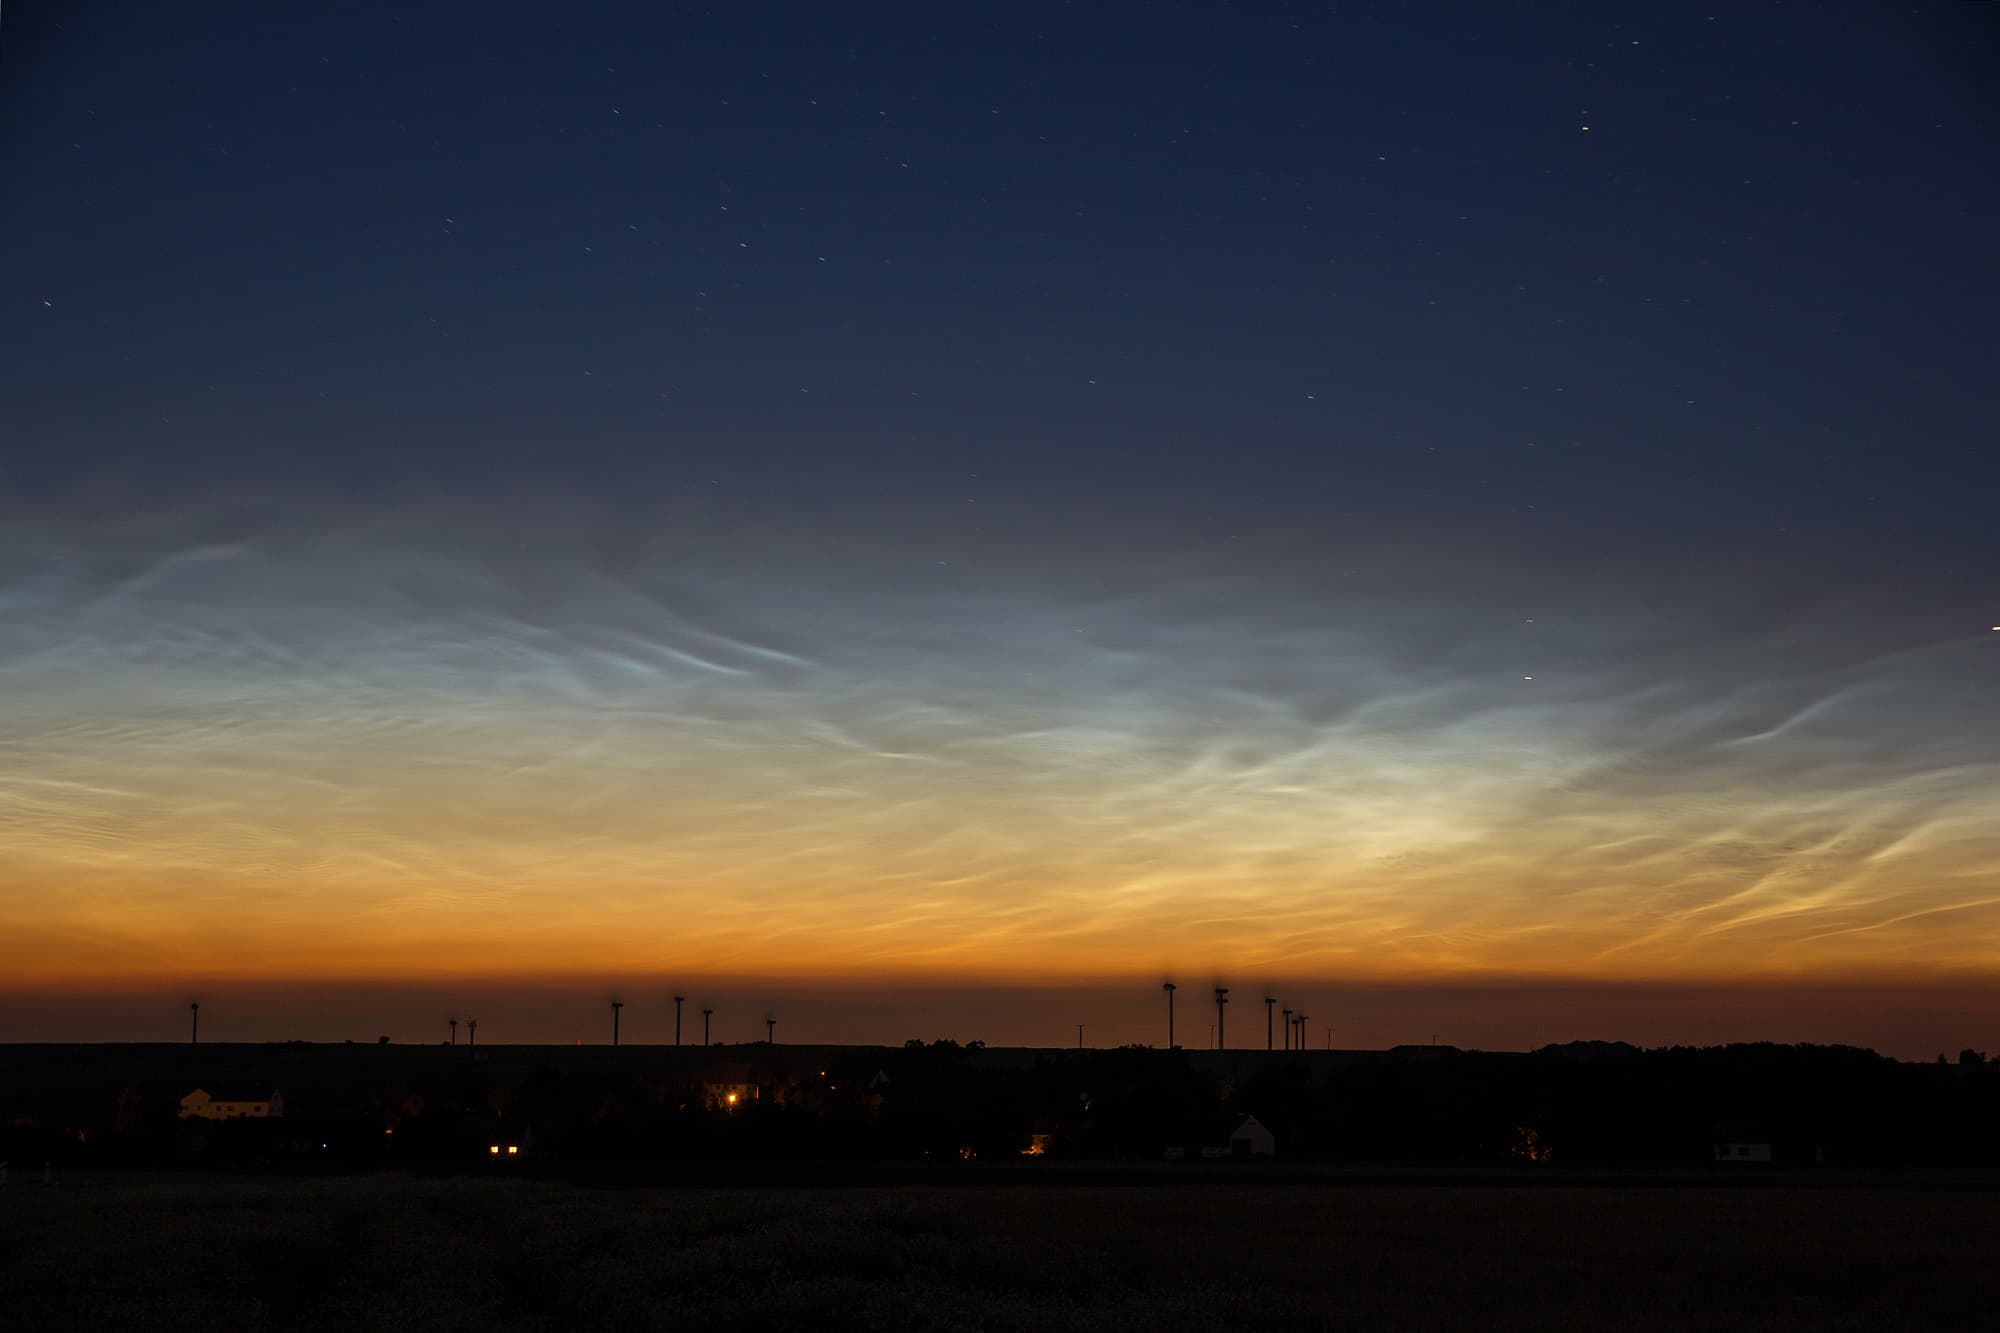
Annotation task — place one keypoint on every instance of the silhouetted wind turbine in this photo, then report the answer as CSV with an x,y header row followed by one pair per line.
x,y
771,1031
1268,1003
471,1033
1221,998
704,1025
1288,1029
616,1005
194,1028
679,1000
454,1030
1079,1036
1302,1029
1169,988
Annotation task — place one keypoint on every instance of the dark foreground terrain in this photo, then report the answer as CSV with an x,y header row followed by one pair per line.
x,y
468,1253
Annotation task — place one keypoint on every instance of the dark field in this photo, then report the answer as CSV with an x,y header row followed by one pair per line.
x,y
393,1252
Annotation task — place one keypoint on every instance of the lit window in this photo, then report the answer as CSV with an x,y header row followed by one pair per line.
x,y
513,1149
495,1150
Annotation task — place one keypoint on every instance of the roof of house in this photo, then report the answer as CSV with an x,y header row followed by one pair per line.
x,y
236,1094
1219,1128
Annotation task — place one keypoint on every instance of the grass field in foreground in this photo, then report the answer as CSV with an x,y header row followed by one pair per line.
x,y
394,1252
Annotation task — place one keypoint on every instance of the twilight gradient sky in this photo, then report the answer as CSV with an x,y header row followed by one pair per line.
x,y
930,522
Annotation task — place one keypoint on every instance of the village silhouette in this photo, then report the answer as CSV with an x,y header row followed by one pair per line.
x,y
720,1110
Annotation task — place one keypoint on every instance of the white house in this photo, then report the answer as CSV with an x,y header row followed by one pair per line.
x,y
239,1104
1742,1152
1242,1136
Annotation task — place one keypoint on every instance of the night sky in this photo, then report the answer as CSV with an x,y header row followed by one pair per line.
x,y
928,521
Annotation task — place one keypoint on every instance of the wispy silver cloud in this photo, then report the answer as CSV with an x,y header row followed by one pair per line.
x,y
428,739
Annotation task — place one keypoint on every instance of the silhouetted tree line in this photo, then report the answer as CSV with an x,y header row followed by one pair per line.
x,y
1585,1104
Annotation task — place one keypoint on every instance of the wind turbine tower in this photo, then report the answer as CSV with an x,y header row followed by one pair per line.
x,y
1169,988
1221,998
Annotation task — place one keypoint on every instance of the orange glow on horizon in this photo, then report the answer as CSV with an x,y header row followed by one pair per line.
x,y
1670,915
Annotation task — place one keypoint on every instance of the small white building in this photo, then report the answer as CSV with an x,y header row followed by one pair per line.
x,y
1742,1152
238,1104
1249,1138
1243,1136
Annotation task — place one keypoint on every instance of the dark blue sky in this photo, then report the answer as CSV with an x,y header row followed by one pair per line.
x,y
1578,271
